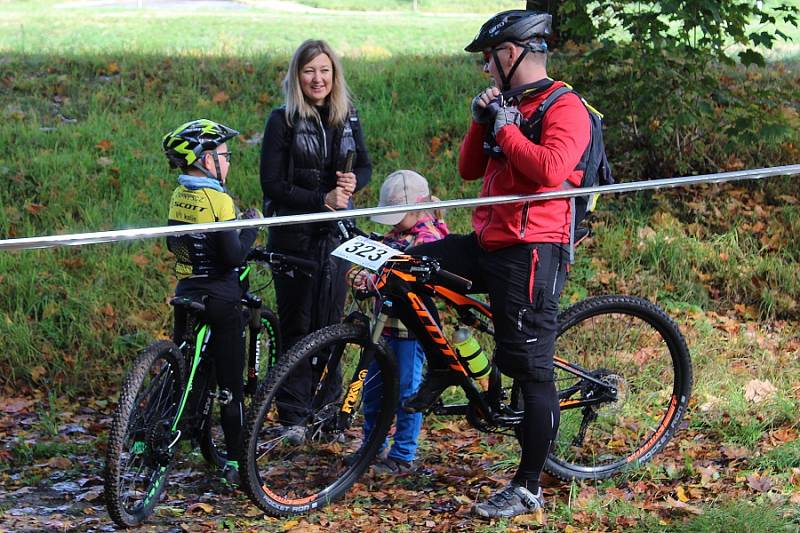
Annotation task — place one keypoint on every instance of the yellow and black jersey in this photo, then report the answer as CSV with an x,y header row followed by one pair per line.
x,y
210,256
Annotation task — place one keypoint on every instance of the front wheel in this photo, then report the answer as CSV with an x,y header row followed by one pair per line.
x,y
634,347
304,435
141,444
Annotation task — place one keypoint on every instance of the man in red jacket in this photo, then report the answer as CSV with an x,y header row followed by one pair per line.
x,y
518,253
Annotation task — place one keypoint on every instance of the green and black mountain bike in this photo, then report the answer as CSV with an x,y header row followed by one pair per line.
x,y
622,369
168,397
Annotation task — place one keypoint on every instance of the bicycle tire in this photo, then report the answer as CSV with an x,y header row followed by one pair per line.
x,y
652,371
212,439
139,456
285,477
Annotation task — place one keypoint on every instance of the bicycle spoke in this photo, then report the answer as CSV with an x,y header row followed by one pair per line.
x,y
625,350
300,451
138,454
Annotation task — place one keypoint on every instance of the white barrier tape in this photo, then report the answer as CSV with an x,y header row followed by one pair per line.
x,y
78,239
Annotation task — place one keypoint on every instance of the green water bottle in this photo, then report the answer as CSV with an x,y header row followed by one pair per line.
x,y
471,354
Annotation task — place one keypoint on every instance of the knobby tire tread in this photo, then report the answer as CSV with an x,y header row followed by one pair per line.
x,y
681,362
347,331
119,429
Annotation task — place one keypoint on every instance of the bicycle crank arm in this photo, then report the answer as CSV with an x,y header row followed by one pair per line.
x,y
460,409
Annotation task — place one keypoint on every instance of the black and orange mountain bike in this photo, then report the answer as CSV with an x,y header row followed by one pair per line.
x,y
623,373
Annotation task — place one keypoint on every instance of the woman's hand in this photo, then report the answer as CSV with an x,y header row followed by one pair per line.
x,y
337,199
347,181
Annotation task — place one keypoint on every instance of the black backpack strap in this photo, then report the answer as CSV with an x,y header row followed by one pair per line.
x,y
532,127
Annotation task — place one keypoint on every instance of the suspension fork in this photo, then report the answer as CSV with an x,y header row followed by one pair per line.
x,y
353,395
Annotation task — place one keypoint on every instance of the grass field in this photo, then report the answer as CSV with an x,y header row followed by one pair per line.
x,y
85,95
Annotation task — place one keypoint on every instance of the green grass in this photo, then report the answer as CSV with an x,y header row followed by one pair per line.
x,y
743,517
38,27
86,94
427,6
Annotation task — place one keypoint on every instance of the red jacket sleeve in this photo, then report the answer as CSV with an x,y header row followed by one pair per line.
x,y
471,157
565,135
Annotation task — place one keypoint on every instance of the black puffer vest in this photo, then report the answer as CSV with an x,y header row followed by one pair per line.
x,y
312,167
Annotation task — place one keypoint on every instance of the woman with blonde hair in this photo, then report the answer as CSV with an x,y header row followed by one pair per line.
x,y
304,170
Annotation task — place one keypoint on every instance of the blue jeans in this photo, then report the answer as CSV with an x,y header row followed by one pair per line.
x,y
410,357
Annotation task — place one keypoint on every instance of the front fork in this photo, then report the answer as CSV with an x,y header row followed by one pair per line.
x,y
354,394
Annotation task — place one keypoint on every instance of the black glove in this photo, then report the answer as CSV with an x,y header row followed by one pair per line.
x,y
505,116
251,212
481,115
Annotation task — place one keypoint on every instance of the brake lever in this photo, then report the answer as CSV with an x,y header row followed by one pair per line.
x,y
343,229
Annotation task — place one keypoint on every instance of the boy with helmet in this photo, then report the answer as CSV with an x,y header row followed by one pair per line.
x,y
518,253
207,263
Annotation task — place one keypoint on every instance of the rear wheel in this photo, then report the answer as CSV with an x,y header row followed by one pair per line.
x,y
633,346
263,346
141,443
301,455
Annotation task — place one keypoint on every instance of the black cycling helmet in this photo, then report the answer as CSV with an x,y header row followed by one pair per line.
x,y
184,145
518,26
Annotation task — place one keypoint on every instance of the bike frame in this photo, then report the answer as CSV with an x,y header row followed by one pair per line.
x,y
405,293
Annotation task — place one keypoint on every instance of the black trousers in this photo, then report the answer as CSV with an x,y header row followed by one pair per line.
x,y
306,303
524,284
226,346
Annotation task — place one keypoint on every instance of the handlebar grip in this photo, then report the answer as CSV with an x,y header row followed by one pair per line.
x,y
303,264
453,281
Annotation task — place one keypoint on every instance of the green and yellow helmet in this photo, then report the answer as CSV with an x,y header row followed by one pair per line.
x,y
184,145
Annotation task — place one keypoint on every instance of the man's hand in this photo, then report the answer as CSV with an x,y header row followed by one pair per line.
x,y
251,212
482,113
337,199
506,116
346,181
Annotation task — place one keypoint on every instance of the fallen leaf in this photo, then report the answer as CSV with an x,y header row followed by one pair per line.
x,y
436,144
707,474
733,452
112,68
90,495
537,517
34,209
253,511
104,145
204,507
15,405
759,483
756,391
671,503
38,372
681,492
646,233
220,98
59,462
140,260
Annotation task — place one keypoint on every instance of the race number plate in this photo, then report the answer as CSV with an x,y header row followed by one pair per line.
x,y
365,252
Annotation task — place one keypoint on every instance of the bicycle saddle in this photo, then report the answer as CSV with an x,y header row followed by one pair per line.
x,y
197,304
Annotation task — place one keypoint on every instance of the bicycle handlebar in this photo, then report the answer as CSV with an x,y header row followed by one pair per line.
x,y
278,259
453,281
